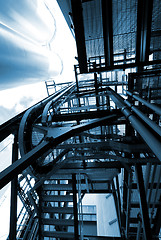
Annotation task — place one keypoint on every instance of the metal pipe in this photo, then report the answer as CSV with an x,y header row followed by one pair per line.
x,y
150,123
149,105
50,103
145,133
27,18
30,113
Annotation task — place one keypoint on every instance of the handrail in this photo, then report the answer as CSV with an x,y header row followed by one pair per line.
x,y
149,105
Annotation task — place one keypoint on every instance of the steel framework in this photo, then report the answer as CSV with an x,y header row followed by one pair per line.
x,y
99,134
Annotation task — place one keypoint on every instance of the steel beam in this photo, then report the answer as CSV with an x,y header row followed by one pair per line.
x,y
84,115
46,146
107,31
143,203
97,68
144,19
109,145
10,126
13,207
79,34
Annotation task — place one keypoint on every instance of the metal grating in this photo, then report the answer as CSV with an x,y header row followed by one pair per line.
x,y
124,25
92,15
156,30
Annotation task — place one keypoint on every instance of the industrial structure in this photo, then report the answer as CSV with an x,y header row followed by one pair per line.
x,y
98,135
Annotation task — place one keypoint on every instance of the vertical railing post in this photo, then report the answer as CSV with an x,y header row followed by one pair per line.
x,y
39,192
76,236
14,182
143,203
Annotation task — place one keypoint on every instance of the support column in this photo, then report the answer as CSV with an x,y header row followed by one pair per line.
x,y
13,207
76,236
144,20
107,31
77,13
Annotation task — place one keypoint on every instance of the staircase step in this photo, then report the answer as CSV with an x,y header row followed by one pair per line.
x,y
64,210
57,234
68,187
57,187
59,198
60,222
61,177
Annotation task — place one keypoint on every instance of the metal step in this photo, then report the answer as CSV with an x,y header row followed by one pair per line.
x,y
59,198
58,222
63,187
57,234
61,177
64,210
57,187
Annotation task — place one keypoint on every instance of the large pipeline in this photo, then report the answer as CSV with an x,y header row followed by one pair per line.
x,y
26,29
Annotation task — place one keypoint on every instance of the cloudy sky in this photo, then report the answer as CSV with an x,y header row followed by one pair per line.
x,y
15,100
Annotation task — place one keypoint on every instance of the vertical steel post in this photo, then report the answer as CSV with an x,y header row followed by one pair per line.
x,y
76,78
118,210
77,14
76,237
13,208
143,203
39,192
107,31
96,89
123,219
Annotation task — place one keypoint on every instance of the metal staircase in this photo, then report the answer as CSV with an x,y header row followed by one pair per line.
x,y
57,207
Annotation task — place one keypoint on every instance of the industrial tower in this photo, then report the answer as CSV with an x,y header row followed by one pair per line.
x,y
98,135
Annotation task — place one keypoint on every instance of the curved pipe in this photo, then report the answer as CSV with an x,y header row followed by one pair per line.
x,y
49,104
30,116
